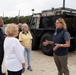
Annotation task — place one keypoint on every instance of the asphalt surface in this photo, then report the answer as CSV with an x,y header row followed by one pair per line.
x,y
44,65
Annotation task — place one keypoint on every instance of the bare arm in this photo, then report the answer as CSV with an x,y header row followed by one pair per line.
x,y
47,42
31,42
67,44
23,65
51,42
25,45
22,43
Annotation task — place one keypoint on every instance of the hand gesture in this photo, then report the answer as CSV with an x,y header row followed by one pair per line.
x,y
56,47
45,43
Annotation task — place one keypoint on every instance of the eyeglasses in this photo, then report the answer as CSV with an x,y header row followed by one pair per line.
x,y
59,22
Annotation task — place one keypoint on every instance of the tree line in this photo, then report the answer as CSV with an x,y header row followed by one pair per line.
x,y
16,19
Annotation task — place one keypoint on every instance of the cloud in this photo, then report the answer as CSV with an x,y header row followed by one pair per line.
x,y
12,7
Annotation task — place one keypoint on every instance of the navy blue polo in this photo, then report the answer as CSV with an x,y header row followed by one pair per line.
x,y
61,36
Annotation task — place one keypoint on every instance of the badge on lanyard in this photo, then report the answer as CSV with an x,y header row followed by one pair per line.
x,y
55,33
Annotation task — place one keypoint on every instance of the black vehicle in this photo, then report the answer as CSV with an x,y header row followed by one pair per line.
x,y
43,25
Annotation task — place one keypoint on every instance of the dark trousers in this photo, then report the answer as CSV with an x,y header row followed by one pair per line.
x,y
14,73
1,60
61,63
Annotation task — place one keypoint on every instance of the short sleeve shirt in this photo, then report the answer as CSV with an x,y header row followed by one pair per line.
x,y
62,51
66,36
25,38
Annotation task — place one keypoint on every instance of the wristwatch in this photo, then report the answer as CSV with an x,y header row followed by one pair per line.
x,y
61,45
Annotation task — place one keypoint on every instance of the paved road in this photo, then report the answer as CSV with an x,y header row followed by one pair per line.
x,y
44,65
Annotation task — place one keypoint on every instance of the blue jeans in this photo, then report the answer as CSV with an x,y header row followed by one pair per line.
x,y
28,52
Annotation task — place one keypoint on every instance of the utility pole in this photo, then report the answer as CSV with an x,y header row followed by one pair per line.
x,y
18,15
3,14
63,3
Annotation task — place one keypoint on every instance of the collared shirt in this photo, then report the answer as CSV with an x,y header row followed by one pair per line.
x,y
25,38
61,36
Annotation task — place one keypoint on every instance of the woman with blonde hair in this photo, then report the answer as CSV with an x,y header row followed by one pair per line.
x,y
14,51
61,42
25,38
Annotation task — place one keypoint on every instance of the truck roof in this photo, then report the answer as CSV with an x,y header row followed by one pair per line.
x,y
58,11
66,9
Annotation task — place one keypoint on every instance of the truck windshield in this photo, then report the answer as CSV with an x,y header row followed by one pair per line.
x,y
47,22
71,22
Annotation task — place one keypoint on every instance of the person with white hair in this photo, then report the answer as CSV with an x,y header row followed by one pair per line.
x,y
25,38
14,51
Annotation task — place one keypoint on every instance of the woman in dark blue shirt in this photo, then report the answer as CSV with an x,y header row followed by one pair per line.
x,y
61,42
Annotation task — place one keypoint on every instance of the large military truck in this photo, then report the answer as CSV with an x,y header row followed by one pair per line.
x,y
42,26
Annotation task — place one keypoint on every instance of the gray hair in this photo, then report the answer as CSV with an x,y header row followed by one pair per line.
x,y
23,26
19,24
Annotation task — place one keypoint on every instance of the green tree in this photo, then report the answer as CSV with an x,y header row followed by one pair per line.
x,y
6,20
16,19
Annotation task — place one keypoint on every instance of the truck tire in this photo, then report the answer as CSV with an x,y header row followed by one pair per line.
x,y
47,49
34,45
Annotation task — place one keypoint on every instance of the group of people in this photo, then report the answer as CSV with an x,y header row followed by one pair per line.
x,y
17,42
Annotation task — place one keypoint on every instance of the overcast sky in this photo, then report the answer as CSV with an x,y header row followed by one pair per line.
x,y
12,7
